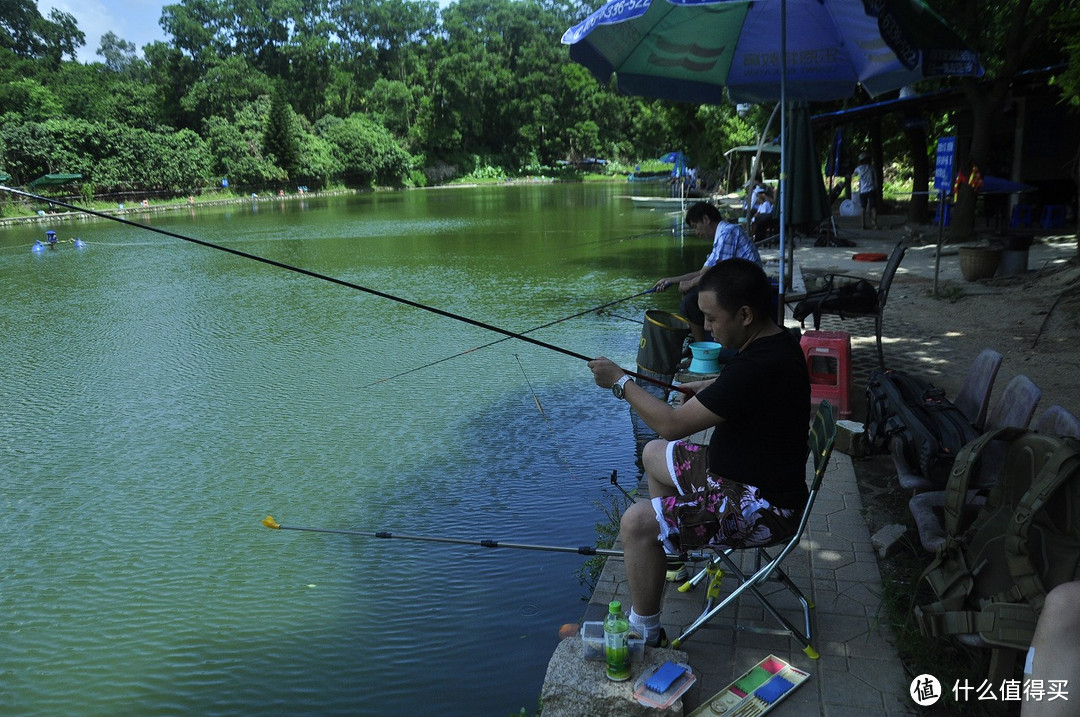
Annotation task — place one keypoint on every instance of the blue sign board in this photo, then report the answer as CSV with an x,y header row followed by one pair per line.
x,y
943,166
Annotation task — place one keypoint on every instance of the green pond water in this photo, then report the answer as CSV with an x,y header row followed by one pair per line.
x,y
159,398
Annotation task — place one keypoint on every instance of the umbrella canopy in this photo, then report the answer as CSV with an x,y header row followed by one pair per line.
x,y
678,159
806,203
690,50
997,185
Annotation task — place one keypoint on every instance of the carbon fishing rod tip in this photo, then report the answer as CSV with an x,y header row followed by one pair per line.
x,y
269,522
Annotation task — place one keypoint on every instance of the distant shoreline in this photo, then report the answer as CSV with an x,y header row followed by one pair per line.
x,y
157,208
127,211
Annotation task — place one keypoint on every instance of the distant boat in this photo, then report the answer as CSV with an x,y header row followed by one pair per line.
x,y
671,204
649,176
674,204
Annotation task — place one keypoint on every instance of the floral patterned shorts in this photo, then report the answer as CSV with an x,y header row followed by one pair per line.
x,y
714,512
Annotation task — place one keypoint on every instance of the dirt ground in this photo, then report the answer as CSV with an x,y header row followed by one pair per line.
x,y
1034,321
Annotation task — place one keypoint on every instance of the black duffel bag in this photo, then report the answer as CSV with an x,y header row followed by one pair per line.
x,y
916,412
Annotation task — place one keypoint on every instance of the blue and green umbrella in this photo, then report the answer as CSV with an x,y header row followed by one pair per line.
x,y
711,51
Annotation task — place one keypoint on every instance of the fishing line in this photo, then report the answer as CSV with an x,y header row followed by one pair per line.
x,y
339,282
551,429
631,319
499,341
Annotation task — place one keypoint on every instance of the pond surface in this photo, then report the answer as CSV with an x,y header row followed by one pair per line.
x,y
159,398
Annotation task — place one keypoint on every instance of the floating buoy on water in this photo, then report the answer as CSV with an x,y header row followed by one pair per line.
x,y
39,246
79,243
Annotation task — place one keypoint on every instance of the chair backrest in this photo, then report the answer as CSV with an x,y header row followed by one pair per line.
x,y
887,275
821,440
1016,405
1058,421
973,398
1014,408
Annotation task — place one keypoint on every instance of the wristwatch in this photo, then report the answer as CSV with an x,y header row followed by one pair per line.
x,y
617,387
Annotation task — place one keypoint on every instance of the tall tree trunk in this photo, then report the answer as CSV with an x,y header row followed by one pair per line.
x,y
985,105
915,132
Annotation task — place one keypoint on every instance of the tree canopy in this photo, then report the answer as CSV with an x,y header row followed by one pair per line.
x,y
377,91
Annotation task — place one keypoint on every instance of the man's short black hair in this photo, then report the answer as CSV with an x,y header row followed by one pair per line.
x,y
702,210
737,283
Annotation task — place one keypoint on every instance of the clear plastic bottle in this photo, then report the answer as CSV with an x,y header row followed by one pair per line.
x,y
616,643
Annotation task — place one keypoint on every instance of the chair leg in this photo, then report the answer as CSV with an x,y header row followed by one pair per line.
x,y
711,610
779,574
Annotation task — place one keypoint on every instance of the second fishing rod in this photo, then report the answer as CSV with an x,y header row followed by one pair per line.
x,y
339,282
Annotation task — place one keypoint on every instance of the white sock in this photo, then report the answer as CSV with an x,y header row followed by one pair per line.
x,y
647,625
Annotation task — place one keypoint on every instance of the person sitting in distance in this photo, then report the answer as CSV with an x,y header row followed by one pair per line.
x,y
729,240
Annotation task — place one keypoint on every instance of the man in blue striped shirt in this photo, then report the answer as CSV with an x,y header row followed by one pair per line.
x,y
729,240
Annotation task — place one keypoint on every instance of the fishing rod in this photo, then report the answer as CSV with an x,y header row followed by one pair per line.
x,y
507,338
339,282
269,522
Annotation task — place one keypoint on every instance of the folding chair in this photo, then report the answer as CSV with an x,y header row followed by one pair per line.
x,y
1014,407
973,400
822,437
882,296
1058,421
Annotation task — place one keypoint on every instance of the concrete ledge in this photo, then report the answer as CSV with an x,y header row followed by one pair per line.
x,y
576,687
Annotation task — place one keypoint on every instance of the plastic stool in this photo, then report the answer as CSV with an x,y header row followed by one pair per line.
x,y
1053,216
1021,216
828,360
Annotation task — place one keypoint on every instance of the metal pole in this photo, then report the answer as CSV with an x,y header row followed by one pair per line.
x,y
940,237
783,161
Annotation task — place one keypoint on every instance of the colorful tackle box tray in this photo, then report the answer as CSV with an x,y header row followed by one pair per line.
x,y
756,692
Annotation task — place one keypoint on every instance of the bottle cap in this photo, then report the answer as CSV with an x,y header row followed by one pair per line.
x,y
614,606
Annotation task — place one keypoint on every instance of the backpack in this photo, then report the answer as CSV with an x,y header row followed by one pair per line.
x,y
853,297
916,412
991,577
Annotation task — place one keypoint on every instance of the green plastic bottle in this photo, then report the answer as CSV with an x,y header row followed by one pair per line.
x,y
616,643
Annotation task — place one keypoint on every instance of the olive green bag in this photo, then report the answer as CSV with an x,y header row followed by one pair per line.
x,y
991,575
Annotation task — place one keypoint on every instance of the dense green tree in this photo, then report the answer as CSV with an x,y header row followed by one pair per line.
x,y
282,134
29,100
1009,37
1066,29
119,55
171,73
225,86
384,38
24,32
364,152
238,156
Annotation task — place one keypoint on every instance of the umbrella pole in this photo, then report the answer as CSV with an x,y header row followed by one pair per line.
x,y
784,152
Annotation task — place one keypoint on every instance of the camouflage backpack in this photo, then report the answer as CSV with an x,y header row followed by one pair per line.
x,y
991,576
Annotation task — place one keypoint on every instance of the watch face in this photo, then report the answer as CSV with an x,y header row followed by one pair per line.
x,y
617,389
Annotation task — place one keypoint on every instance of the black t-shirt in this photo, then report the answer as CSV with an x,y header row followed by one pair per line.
x,y
763,394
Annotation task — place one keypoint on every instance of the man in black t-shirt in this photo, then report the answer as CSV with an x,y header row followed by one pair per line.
x,y
749,486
